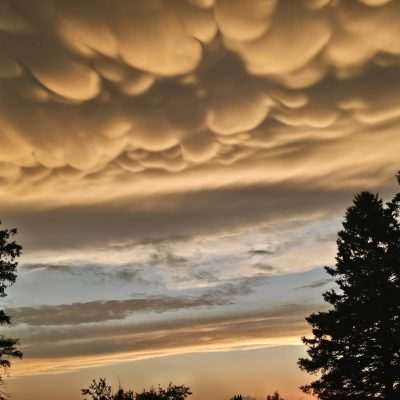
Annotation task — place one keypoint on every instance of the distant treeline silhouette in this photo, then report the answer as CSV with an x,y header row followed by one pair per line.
x,y
102,390
275,396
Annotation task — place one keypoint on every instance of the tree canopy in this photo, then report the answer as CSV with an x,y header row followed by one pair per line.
x,y
355,345
9,253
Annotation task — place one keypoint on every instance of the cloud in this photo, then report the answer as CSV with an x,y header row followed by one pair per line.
x,y
102,311
264,267
95,272
317,284
50,268
176,217
89,345
164,97
261,252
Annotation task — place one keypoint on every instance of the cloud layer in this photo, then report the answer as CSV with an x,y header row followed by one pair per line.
x,y
50,349
153,97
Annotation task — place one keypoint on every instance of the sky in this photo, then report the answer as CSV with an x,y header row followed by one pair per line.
x,y
178,171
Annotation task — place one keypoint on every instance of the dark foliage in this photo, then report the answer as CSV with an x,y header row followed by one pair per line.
x,y
101,390
356,344
9,253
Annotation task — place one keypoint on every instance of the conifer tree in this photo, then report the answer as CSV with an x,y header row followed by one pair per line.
x,y
9,253
356,344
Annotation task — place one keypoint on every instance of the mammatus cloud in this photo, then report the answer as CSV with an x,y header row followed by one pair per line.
x,y
163,96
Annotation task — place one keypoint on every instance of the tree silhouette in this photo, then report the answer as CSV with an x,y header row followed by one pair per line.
x,y
101,390
356,344
9,252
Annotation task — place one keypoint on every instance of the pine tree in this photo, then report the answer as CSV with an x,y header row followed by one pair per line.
x,y
356,344
9,252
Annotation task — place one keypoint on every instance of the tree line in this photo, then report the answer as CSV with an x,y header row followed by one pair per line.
x,y
354,347
101,390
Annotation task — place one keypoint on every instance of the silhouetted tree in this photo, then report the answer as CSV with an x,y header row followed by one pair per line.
x,y
275,396
9,252
237,397
356,344
101,390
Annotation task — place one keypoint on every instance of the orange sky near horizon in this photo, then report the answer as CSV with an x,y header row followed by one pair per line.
x,y
217,375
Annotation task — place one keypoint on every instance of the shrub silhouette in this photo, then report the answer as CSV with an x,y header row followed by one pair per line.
x,y
356,344
9,253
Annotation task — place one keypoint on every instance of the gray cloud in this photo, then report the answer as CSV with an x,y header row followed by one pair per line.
x,y
261,252
129,273
101,311
163,255
317,284
63,268
191,215
264,267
